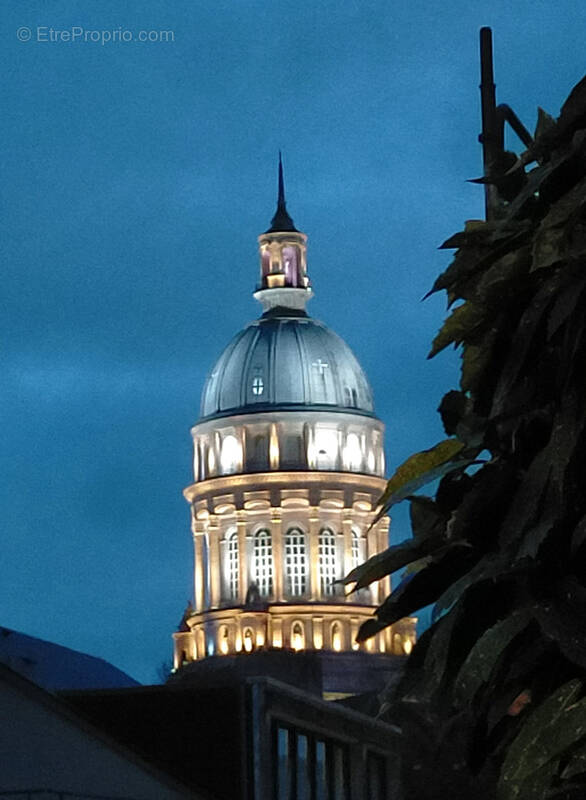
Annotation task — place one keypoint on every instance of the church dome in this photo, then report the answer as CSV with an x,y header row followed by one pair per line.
x,y
286,361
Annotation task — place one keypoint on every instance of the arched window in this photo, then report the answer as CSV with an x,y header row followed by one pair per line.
x,y
231,455
248,640
223,639
352,452
297,636
336,636
233,566
295,562
263,562
327,561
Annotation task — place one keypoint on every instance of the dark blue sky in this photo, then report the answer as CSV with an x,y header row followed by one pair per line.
x,y
136,179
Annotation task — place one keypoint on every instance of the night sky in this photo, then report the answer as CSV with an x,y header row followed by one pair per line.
x,y
136,178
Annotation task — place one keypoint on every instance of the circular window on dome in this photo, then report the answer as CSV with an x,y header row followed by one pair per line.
x,y
258,386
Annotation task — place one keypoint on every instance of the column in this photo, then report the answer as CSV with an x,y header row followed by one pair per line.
x,y
199,575
383,543
278,561
242,556
214,562
338,589
372,548
347,531
314,583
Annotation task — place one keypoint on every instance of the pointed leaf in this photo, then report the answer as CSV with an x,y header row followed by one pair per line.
x,y
390,560
420,469
425,586
487,653
554,726
463,323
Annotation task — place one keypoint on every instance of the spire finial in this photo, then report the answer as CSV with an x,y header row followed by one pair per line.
x,y
281,221
281,197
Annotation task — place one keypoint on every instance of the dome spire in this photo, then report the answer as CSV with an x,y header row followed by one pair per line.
x,y
284,283
281,222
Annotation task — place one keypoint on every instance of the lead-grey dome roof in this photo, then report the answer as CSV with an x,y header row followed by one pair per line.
x,y
286,360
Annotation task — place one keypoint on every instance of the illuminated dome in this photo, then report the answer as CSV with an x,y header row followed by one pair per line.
x,y
286,361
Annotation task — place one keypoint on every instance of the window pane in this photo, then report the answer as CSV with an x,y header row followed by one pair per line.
x,y
340,788
283,765
233,566
327,561
320,771
376,774
263,562
303,786
295,563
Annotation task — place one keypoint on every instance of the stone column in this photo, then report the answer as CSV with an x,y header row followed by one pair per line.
x,y
199,575
372,549
338,589
383,543
278,560
242,556
314,583
347,531
214,562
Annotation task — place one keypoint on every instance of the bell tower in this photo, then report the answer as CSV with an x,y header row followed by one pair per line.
x,y
288,467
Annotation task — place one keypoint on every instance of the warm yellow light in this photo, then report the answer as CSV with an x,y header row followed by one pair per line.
x,y
260,639
407,646
349,588
318,640
352,452
238,644
369,644
355,645
297,641
277,639
231,454
381,644
248,641
336,639
274,448
224,646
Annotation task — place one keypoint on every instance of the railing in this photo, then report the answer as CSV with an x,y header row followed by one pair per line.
x,y
55,794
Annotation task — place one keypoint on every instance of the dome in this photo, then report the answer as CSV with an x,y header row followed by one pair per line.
x,y
285,361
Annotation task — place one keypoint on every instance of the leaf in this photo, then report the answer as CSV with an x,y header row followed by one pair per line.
x,y
487,653
452,409
463,322
522,343
476,359
425,586
426,517
564,306
578,536
562,618
487,568
390,560
577,763
545,123
555,725
420,469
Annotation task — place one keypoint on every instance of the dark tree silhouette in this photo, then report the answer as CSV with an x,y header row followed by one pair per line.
x,y
493,701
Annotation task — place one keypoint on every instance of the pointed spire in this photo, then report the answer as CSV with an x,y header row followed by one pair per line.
x,y
281,221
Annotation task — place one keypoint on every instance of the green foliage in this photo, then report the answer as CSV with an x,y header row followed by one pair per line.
x,y
491,703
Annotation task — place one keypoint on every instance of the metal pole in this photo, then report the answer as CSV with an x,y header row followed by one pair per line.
x,y
491,136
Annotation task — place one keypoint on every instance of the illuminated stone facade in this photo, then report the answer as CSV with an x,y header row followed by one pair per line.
x,y
288,466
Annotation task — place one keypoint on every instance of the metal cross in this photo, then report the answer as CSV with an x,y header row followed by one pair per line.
x,y
320,366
